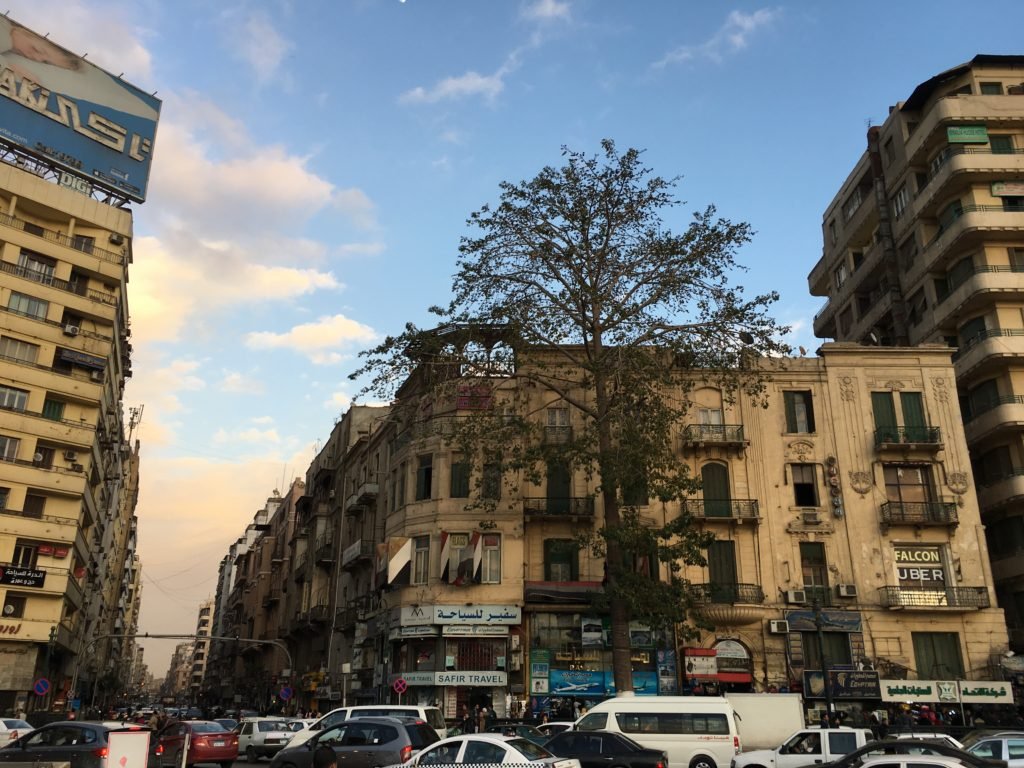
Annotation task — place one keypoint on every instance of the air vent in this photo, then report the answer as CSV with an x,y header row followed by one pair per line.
x,y
778,627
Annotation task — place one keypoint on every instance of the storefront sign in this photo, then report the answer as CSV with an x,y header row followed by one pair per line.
x,y
476,630
1007,188
967,134
416,615
81,358
400,632
845,684
985,692
944,691
832,621
456,678
700,663
668,678
22,577
10,629
920,566
478,614
734,662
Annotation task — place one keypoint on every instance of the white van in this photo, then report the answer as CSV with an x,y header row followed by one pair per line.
x,y
694,731
431,715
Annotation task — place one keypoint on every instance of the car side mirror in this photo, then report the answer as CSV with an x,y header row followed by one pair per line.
x,y
309,744
783,750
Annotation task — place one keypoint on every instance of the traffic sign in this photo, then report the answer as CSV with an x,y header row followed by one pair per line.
x,y
285,693
399,686
41,686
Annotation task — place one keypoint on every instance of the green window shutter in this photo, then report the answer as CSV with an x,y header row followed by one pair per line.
x,y
549,550
885,417
460,480
790,400
722,571
715,482
913,416
53,409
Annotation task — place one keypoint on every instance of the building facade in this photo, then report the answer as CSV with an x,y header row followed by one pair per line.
x,y
924,242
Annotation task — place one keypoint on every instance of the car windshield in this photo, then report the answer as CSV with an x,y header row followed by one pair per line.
x,y
273,725
16,725
528,749
208,728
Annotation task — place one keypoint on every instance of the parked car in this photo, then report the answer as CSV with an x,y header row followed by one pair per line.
x,y
521,730
489,748
83,745
597,749
550,729
432,715
1001,745
229,723
891,748
262,737
300,723
208,742
809,745
912,761
363,742
11,729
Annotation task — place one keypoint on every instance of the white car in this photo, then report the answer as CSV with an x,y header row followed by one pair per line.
x,y
11,729
939,738
300,723
550,729
262,737
489,748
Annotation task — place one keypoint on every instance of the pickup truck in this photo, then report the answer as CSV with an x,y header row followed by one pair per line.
x,y
806,747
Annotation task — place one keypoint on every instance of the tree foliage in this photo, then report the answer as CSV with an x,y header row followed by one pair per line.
x,y
573,291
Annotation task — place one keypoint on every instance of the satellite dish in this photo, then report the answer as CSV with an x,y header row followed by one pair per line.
x,y
8,609
38,457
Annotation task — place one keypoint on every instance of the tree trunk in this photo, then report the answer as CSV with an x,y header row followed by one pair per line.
x,y
622,655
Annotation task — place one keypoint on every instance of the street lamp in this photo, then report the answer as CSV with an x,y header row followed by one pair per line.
x,y
819,624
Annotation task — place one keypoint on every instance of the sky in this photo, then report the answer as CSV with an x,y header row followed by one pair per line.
x,y
316,162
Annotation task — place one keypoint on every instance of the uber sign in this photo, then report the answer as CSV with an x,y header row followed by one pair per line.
x,y
921,565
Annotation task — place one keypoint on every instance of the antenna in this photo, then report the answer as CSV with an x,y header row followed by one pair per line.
x,y
134,419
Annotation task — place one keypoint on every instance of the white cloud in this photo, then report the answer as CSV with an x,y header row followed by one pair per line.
x,y
734,35
455,88
547,10
239,383
338,401
262,420
250,435
360,249
319,340
357,206
258,43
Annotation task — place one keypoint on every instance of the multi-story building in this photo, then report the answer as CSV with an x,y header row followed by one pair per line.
x,y
176,683
201,647
924,242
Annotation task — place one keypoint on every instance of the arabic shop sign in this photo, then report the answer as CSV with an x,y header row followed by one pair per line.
x,y
948,691
22,577
426,615
452,677
967,134
844,684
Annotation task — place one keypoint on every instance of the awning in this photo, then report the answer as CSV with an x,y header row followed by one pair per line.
x,y
399,559
446,555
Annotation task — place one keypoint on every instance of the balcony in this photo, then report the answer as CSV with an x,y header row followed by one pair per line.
x,y
85,246
270,601
324,549
971,164
723,510
357,553
929,599
565,507
560,592
367,493
727,604
724,435
352,505
319,613
919,514
988,348
1000,490
557,435
77,288
998,413
346,617
908,438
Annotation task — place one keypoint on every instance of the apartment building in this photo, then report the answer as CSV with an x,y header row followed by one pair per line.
x,y
924,242
823,509
201,647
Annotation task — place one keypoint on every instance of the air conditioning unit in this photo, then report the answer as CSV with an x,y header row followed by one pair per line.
x,y
796,597
71,330
96,376
1015,90
117,238
78,467
778,627
70,455
847,590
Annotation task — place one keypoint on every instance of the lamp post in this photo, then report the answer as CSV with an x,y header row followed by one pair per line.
x,y
819,624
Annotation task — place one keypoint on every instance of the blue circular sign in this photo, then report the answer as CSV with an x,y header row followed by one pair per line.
x,y
285,693
42,685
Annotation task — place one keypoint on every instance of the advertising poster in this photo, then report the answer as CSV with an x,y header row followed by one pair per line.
x,y
645,683
577,682
591,632
668,673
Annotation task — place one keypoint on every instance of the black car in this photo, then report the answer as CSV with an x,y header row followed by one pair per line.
x,y
363,743
84,745
910,747
600,749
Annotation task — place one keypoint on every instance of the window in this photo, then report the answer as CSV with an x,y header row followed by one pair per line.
x,y
837,649
21,304
37,267
420,559
13,399
491,485
799,411
852,204
83,243
53,409
832,235
25,554
483,752
991,89
951,213
16,349
805,485
651,722
722,571
14,606
918,307
459,488
9,448
900,201
490,564
400,492
561,560
34,505
842,273
937,655
814,567
908,252
889,150
424,477
1013,203
43,456
1001,145
972,331
33,229
908,483
842,743
5,495
714,483
460,560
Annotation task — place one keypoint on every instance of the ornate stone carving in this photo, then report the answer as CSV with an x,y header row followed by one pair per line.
x,y
894,385
957,482
860,481
801,449
941,387
847,389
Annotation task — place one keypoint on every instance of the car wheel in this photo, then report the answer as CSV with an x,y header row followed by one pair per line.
x,y
250,754
177,759
702,761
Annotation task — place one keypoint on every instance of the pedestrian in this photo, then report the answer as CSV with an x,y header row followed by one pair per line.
x,y
491,718
325,757
482,720
824,722
468,721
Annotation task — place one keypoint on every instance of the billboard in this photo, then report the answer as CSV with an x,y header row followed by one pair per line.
x,y
59,107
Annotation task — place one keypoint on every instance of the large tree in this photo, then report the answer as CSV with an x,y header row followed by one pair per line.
x,y
597,301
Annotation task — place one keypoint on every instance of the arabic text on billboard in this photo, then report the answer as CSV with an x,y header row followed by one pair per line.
x,y
58,106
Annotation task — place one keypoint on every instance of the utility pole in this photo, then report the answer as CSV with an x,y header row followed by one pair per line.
x,y
819,624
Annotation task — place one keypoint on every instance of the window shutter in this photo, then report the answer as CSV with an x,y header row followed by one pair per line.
x,y
885,417
790,400
715,483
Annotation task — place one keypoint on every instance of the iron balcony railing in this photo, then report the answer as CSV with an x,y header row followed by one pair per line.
x,y
557,435
714,433
727,594
919,513
939,162
319,612
928,597
948,220
974,410
980,336
84,245
723,509
357,552
997,476
561,506
908,436
961,277
63,285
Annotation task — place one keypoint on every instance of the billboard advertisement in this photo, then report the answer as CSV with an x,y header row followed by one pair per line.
x,y
59,107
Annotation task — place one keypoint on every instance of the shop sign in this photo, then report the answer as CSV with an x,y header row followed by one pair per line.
x,y
920,566
478,614
541,655
10,629
1007,188
944,691
476,630
416,615
845,684
471,678
985,692
400,632
832,620
967,134
415,678
732,656
577,682
700,662
22,577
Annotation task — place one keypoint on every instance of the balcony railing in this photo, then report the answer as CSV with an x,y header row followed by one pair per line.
x,y
889,437
714,434
927,597
952,283
977,409
319,613
998,476
980,336
63,285
85,246
947,221
557,435
919,513
325,549
563,506
723,509
727,594
359,551
367,493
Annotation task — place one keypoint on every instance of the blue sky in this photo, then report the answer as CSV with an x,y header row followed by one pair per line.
x,y
316,162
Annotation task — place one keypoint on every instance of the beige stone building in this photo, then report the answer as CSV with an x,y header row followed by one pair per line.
x,y
924,242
